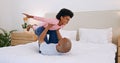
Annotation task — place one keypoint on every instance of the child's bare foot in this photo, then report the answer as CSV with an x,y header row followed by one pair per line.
x,y
29,26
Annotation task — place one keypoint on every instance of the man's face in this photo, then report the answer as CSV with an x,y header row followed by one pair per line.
x,y
64,45
60,45
64,19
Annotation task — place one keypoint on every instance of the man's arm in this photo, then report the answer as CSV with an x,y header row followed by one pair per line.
x,y
43,34
58,35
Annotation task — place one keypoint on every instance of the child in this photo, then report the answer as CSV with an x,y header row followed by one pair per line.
x,y
62,18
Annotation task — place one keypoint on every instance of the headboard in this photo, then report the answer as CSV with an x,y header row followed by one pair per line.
x,y
94,19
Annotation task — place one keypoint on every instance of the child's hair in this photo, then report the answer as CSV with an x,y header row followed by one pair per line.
x,y
64,12
64,45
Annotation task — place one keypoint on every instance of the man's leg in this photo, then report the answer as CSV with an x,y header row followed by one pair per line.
x,y
39,47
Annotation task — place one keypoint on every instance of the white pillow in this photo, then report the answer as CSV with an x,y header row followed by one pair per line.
x,y
95,35
69,34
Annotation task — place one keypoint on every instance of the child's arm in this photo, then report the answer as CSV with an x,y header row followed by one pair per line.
x,y
58,34
35,17
27,15
43,34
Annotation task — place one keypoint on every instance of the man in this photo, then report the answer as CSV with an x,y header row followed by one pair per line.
x,y
63,46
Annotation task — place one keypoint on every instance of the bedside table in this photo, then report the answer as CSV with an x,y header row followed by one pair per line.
x,y
18,38
118,56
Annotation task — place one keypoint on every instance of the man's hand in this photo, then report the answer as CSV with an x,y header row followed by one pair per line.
x,y
43,34
49,26
27,15
58,29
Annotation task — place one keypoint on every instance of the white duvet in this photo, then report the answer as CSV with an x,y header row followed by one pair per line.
x,y
80,53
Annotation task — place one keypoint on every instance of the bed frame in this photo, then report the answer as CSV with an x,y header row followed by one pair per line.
x,y
94,19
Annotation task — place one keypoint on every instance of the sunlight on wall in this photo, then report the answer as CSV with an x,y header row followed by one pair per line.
x,y
39,13
118,13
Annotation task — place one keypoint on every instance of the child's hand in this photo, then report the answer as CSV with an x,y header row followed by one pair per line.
x,y
27,15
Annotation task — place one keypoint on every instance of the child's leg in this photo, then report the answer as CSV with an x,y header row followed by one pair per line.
x,y
53,36
38,31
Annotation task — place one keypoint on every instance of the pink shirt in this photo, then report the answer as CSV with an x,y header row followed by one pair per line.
x,y
47,21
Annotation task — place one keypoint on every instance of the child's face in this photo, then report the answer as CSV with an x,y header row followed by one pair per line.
x,y
64,20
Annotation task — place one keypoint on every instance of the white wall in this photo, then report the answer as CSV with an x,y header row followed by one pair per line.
x,y
11,17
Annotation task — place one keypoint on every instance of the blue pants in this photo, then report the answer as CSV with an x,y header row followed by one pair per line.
x,y
52,35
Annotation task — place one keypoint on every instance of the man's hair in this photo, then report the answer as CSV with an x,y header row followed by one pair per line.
x,y
65,45
64,12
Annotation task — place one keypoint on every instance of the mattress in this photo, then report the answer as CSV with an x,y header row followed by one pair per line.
x,y
80,53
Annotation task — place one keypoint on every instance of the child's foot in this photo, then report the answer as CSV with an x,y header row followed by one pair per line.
x,y
28,27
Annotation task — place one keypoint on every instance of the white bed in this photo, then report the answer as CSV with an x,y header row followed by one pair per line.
x,y
80,53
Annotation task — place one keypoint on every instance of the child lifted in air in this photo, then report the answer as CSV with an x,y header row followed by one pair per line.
x,y
62,18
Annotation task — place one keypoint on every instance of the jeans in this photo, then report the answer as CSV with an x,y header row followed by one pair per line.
x,y
52,35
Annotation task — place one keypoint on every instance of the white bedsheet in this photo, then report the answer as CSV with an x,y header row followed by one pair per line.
x,y
80,53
